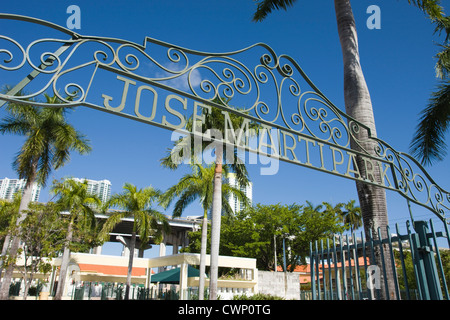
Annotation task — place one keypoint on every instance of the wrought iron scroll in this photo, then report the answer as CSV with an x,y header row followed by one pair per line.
x,y
270,89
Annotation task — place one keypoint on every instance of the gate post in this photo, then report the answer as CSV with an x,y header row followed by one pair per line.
x,y
426,265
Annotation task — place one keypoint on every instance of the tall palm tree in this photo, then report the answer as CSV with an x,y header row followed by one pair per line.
x,y
198,186
215,120
73,197
358,106
49,139
148,222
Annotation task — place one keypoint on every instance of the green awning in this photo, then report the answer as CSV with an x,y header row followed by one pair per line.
x,y
173,275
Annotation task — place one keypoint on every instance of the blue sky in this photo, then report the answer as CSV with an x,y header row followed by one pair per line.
x,y
398,63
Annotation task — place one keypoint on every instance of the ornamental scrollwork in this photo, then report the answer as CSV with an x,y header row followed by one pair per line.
x,y
255,82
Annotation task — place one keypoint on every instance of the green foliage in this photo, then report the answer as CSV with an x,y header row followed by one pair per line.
x,y
258,296
42,233
428,143
49,138
409,268
251,232
137,203
265,7
198,185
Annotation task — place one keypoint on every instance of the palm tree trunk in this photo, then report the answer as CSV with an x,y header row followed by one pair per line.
x,y
15,241
64,263
215,224
6,244
201,286
359,106
130,264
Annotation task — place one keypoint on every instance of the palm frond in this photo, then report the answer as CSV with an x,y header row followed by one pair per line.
x,y
430,7
428,143
265,7
443,62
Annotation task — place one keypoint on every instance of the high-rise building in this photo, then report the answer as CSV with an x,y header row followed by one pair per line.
x,y
8,187
235,204
100,188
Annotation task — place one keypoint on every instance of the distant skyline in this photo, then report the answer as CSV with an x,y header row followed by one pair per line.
x,y
9,187
397,60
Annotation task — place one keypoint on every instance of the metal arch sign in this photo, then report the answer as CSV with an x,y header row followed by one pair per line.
x,y
164,85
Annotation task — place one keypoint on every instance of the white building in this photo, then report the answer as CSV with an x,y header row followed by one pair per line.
x,y
8,187
235,204
100,188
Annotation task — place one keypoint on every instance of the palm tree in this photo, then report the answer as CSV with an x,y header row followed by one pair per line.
x,y
73,196
336,209
198,185
428,143
358,106
49,141
148,222
352,215
212,120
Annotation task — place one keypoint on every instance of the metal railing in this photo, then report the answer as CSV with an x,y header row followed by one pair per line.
x,y
408,266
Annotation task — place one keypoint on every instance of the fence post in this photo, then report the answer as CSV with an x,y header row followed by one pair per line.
x,y
430,283
313,276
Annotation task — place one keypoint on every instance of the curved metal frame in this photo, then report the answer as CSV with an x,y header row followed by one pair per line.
x,y
315,117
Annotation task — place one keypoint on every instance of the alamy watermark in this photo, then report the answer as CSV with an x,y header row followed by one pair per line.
x,y
374,20
373,277
74,20
198,148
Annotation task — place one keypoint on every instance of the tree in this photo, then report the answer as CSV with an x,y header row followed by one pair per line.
x,y
214,124
256,231
42,234
428,143
148,222
49,139
358,106
198,185
352,215
9,210
73,196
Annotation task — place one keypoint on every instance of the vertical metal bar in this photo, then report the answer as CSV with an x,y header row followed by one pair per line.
x,y
363,245
415,260
394,269
372,251
402,260
344,274
430,273
325,291
313,276
350,273
319,291
446,231
357,271
383,264
438,255
330,278
336,271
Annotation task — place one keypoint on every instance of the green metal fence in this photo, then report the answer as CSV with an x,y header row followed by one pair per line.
x,y
116,291
411,266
